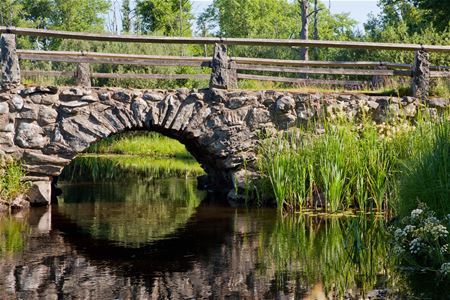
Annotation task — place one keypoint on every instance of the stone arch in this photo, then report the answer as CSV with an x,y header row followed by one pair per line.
x,y
49,127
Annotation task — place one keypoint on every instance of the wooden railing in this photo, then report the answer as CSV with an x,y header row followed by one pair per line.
x,y
225,70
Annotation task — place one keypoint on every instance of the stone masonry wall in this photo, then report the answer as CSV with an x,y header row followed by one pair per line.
x,y
46,127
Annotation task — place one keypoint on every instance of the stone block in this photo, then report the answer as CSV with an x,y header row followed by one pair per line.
x,y
40,193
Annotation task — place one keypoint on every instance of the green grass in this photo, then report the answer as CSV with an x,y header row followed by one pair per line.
x,y
360,166
98,168
347,167
141,143
11,173
425,175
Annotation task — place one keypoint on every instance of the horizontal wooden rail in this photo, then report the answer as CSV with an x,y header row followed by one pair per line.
x,y
301,80
31,53
150,76
155,60
47,73
317,63
106,58
225,41
116,75
335,71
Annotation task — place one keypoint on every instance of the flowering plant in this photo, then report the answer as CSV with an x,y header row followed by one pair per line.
x,y
422,241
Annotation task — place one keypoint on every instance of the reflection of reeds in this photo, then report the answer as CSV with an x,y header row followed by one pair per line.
x,y
13,234
344,254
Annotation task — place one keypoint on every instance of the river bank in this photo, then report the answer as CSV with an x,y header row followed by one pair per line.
x,y
12,189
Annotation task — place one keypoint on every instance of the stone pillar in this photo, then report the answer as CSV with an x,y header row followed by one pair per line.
x,y
10,76
223,74
40,192
421,75
83,75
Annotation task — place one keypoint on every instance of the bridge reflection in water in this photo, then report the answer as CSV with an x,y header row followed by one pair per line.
x,y
164,240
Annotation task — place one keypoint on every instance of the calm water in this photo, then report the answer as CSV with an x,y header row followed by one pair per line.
x,y
163,239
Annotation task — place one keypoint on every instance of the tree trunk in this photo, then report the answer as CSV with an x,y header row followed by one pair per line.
x,y
304,8
316,29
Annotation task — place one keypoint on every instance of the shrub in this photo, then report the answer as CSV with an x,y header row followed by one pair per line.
x,y
11,173
421,242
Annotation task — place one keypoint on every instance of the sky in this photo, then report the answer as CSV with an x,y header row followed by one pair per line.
x,y
358,9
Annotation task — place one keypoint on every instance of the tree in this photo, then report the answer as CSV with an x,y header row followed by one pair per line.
x,y
435,11
71,15
126,16
304,9
171,17
271,19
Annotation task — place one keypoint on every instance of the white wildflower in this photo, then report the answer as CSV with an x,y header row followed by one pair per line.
x,y
444,248
409,228
431,220
415,246
440,231
445,268
416,213
399,233
398,250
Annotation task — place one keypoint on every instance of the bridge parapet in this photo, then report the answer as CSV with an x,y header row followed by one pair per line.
x,y
46,127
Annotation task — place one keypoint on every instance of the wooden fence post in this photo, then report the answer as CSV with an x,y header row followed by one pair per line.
x,y
421,75
83,75
10,76
223,75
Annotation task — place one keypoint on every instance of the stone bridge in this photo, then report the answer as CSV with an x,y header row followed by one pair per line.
x,y
47,127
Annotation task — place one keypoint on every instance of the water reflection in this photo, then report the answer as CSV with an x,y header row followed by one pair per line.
x,y
347,255
130,214
13,235
159,240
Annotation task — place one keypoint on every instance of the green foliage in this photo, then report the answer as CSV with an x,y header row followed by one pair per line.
x,y
270,19
70,15
417,13
389,164
141,143
11,173
106,168
171,17
426,172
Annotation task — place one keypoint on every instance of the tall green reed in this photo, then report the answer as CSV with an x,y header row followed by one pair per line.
x,y
349,166
426,172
